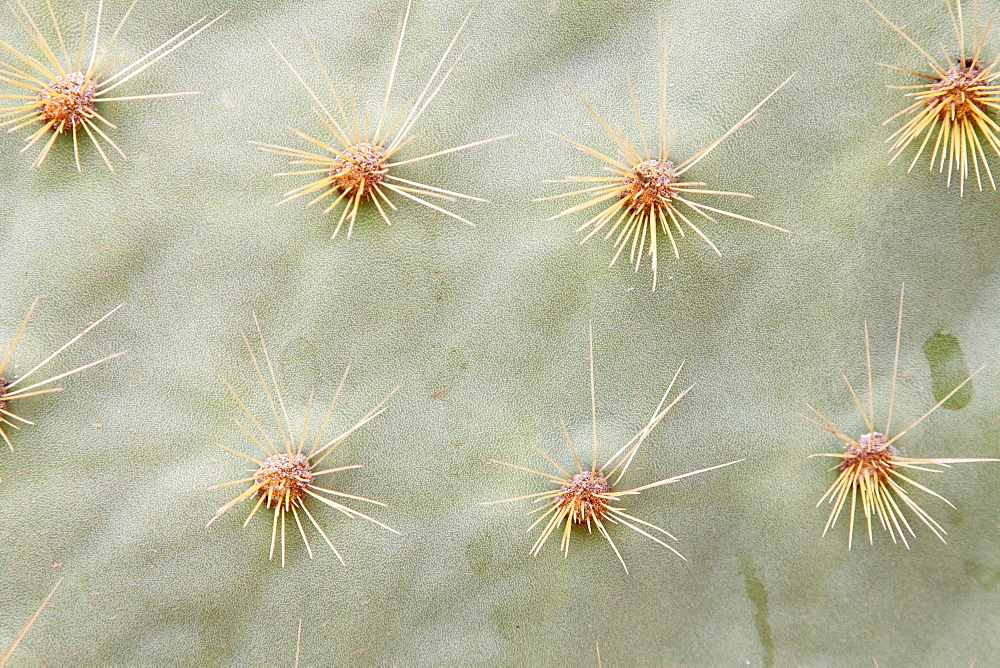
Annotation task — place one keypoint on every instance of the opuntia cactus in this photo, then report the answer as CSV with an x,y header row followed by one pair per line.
x,y
484,330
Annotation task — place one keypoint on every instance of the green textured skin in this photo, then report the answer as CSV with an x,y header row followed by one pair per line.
x,y
485,330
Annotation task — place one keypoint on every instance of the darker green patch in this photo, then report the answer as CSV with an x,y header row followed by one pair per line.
x,y
488,554
986,577
758,596
948,370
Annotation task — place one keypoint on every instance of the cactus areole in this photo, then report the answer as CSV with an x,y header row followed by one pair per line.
x,y
284,479
360,169
872,455
651,187
961,90
66,102
585,496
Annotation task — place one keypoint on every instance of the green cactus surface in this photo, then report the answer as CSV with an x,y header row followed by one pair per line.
x,y
484,330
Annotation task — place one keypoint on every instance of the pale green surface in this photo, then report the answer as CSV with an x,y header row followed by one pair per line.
x,y
186,232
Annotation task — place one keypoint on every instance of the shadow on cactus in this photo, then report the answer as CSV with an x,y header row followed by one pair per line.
x,y
872,468
587,498
363,168
9,390
646,189
287,475
952,106
61,90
